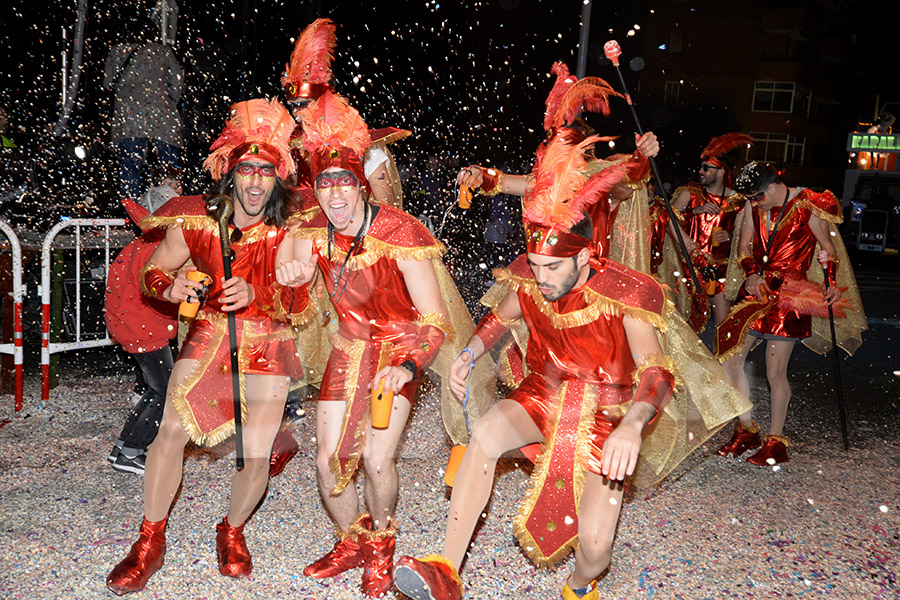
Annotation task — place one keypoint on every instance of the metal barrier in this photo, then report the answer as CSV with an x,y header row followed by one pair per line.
x,y
15,348
95,242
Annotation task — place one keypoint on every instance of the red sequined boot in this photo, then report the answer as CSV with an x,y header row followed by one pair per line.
x,y
231,550
431,577
744,438
773,451
283,450
345,555
378,551
144,559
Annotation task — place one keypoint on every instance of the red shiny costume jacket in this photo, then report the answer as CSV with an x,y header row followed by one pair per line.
x,y
265,336
792,254
637,169
700,226
378,324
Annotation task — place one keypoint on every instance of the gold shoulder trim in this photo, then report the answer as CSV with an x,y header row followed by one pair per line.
x,y
183,221
436,319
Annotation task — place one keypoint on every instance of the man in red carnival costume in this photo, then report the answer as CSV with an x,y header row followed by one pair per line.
x,y
376,263
251,160
306,77
779,303
708,210
597,378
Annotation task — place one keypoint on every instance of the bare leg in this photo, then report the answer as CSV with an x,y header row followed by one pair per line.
x,y
734,368
266,395
379,461
344,507
778,353
720,308
598,515
504,427
165,457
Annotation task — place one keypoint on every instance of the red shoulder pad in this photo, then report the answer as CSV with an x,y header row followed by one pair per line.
x,y
632,288
824,203
397,228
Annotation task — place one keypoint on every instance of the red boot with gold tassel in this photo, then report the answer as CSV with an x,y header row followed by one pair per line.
x,y
345,555
144,559
773,451
231,550
378,551
744,438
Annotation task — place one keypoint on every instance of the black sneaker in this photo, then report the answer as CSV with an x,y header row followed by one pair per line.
x,y
130,465
114,453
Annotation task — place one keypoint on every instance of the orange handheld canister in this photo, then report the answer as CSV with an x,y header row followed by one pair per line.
x,y
382,404
189,309
459,450
465,197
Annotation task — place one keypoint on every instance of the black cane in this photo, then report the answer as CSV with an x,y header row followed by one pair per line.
x,y
223,215
612,51
837,372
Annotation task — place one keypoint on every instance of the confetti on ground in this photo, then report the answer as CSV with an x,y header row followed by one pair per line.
x,y
825,525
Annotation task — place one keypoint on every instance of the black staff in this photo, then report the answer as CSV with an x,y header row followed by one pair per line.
x,y
837,372
224,211
612,51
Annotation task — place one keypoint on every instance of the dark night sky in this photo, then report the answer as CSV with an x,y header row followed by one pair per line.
x,y
469,78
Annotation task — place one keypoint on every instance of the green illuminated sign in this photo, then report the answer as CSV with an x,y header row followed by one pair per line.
x,y
886,143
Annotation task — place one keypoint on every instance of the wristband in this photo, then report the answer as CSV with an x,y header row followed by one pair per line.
x,y
410,365
155,281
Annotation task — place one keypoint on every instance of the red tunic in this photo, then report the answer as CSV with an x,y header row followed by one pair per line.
x,y
580,385
378,324
265,338
792,254
700,226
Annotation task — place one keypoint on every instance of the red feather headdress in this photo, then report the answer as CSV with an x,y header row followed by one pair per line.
x,y
719,146
571,96
561,195
258,129
335,135
308,73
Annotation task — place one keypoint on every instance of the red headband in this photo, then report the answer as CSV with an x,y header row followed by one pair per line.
x,y
553,241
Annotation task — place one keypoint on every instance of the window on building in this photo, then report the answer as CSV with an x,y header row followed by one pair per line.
x,y
673,92
777,148
773,96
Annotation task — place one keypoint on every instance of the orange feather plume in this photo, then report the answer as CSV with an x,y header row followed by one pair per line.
x,y
806,298
571,96
312,55
330,121
561,192
724,144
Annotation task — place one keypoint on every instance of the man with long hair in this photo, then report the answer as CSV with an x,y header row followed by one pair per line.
x,y
251,159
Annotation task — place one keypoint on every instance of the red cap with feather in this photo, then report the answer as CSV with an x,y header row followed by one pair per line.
x,y
561,194
335,136
308,73
722,145
258,129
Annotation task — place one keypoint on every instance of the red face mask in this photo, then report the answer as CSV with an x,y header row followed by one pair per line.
x,y
345,180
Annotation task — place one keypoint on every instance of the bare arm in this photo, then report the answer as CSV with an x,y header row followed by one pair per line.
x,y
622,447
380,182
171,254
473,176
822,233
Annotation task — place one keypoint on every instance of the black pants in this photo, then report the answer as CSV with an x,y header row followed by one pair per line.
x,y
143,420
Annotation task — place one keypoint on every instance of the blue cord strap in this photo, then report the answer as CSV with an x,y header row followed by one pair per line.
x,y
468,377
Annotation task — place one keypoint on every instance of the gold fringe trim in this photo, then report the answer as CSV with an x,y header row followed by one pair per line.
x,y
822,214
436,319
179,399
373,249
739,346
358,530
538,478
437,558
351,382
663,361
296,319
754,427
597,305
498,187
778,438
193,222
505,322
